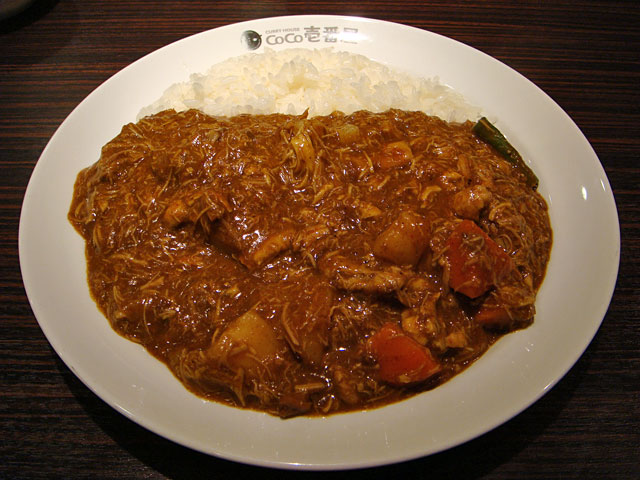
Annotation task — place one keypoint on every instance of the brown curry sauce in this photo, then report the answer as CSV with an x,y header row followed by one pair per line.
x,y
310,266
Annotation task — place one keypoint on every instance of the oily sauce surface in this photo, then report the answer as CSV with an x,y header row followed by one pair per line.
x,y
310,266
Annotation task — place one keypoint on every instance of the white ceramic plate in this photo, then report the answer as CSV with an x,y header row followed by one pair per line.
x,y
513,374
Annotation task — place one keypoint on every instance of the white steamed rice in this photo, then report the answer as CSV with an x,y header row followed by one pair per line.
x,y
322,81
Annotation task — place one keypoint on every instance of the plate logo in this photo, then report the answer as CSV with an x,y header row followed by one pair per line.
x,y
252,40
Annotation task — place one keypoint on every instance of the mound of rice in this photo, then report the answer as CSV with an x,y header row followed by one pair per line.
x,y
322,81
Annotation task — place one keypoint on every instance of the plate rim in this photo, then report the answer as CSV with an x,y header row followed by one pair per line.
x,y
61,352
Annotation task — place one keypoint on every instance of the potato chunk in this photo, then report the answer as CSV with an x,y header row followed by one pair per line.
x,y
404,241
248,343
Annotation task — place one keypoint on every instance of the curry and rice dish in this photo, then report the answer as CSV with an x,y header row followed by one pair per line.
x,y
308,266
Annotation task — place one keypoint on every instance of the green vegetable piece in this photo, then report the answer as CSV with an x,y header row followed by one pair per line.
x,y
487,132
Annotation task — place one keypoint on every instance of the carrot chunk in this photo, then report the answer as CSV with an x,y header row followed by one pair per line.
x,y
402,360
476,262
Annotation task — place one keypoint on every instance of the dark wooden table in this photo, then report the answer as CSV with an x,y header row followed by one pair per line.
x,y
584,54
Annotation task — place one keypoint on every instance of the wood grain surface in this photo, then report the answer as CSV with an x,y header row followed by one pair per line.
x,y
584,54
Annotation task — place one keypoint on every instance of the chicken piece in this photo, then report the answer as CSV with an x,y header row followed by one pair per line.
x,y
456,339
288,239
349,275
306,322
404,241
307,148
508,307
367,210
304,150
293,404
271,247
225,237
468,203
306,237
348,133
451,181
394,155
346,385
193,207
422,323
